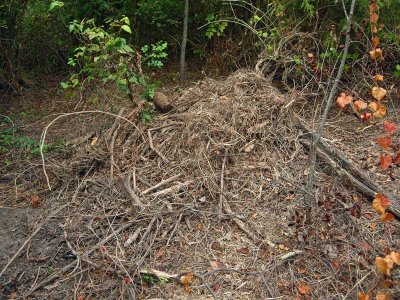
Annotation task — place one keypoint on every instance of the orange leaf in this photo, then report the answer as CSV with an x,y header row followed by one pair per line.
x,y
386,217
359,105
385,142
373,7
186,281
380,112
374,17
382,266
127,280
304,289
385,161
378,207
362,296
390,127
383,200
395,256
375,42
35,200
373,106
343,100
376,53
366,116
378,93
378,77
382,296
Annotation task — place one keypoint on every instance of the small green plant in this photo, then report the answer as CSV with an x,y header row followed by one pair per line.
x,y
214,26
105,55
146,114
396,72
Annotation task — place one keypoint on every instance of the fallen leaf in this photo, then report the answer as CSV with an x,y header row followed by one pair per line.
x,y
359,105
386,217
375,43
382,296
373,106
186,281
374,29
362,296
382,266
35,200
366,116
310,55
343,100
385,161
383,200
385,142
378,207
380,203
381,111
374,17
378,77
127,280
376,54
81,297
390,127
378,93
395,256
304,289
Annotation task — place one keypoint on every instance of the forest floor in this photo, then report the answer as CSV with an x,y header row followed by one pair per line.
x,y
206,201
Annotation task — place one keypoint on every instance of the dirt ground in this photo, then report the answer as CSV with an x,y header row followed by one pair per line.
x,y
204,202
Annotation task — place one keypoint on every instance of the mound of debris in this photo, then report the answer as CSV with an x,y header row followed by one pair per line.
x,y
204,200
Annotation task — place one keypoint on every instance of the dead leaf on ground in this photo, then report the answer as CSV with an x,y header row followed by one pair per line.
x,y
378,77
382,266
385,142
385,161
359,105
373,7
186,281
35,200
344,100
382,296
386,217
390,127
379,93
304,289
380,112
380,203
363,296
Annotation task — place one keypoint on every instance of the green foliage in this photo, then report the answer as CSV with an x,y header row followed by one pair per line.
x,y
214,26
9,140
105,55
396,72
146,114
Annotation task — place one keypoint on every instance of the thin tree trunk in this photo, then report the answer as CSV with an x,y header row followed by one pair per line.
x,y
183,46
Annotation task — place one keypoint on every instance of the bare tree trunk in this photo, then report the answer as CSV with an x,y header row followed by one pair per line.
x,y
183,46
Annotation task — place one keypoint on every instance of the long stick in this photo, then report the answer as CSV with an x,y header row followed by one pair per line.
x,y
318,134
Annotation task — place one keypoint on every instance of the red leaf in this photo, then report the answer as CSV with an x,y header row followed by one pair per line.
x,y
385,142
390,127
375,42
366,116
383,200
385,161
